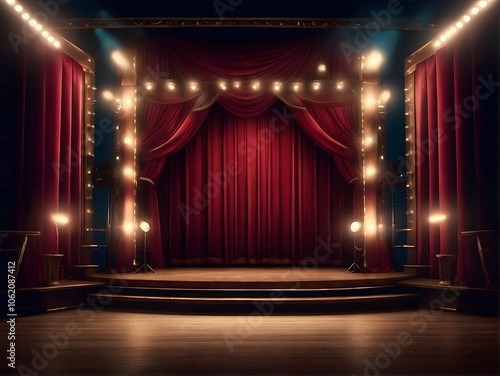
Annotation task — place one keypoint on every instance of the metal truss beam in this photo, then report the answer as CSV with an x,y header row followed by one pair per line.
x,y
295,23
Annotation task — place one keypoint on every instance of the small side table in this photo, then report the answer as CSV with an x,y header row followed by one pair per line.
x,y
447,269
51,268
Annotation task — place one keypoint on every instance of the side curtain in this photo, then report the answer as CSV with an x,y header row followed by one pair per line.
x,y
456,104
51,120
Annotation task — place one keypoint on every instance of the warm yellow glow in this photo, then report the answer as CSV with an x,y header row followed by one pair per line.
x,y
322,68
59,219
193,85
236,84
33,22
149,85
370,171
340,85
466,18
436,218
459,24
11,2
296,86
474,10
127,140
128,172
384,97
483,3
371,228
108,95
316,85
144,226
38,27
369,101
277,86
171,85
355,226
374,60
368,141
256,86
453,30
120,60
57,44
50,38
223,85
128,228
18,8
443,38
26,16
437,43
45,34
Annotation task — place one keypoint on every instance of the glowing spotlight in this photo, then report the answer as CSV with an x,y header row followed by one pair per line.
x,y
316,85
322,68
436,218
466,18
45,34
459,25
18,8
384,97
26,16
453,30
369,101
370,171
277,86
50,38
145,226
483,3
120,60
223,85
59,219
374,60
57,44
129,172
355,226
128,228
368,141
340,85
108,95
127,140
474,10
437,43
193,85
11,2
443,38
236,84
256,86
38,27
171,85
149,85
371,228
296,86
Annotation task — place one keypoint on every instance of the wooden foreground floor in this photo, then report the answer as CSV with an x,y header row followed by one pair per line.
x,y
123,343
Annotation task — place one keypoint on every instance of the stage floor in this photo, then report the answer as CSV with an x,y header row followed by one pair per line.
x,y
253,277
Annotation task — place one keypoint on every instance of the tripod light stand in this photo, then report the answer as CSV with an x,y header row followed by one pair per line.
x,y
145,267
354,268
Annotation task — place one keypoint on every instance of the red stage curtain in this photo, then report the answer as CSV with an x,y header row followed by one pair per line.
x,y
242,192
51,119
457,152
169,127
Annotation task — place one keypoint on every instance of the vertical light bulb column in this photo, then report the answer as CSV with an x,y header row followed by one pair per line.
x,y
126,157
370,64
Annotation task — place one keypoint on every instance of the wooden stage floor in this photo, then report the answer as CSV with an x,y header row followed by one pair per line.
x,y
257,277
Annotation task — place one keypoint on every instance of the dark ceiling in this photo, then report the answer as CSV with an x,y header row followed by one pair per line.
x,y
418,9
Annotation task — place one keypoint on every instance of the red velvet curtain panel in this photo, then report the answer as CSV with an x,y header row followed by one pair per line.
x,y
173,118
51,122
456,98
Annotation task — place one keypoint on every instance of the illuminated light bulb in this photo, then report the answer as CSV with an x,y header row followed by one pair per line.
x,y
368,141
466,18
437,43
108,95
50,38
474,10
459,24
277,86
296,86
340,85
443,38
256,85
57,44
149,85
316,85
128,172
59,219
370,101
355,226
18,8
193,85
370,171
448,33
26,16
127,140
128,228
371,228
384,97
38,27
45,34
374,60
171,85
33,22
120,60
11,2
223,85
436,218
322,68
453,30
236,84
483,3
382,157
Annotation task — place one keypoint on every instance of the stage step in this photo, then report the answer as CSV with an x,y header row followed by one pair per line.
x,y
236,300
